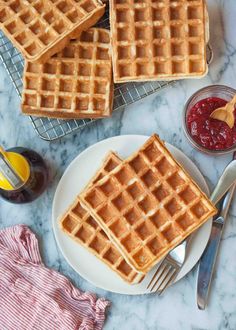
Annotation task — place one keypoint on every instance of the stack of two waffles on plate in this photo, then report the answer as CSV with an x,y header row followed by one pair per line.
x,y
71,68
133,212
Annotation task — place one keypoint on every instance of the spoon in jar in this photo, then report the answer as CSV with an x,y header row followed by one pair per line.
x,y
226,113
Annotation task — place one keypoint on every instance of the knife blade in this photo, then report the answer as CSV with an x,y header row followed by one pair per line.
x,y
226,180
208,259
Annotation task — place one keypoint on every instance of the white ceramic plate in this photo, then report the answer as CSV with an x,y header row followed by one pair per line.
x,y
72,182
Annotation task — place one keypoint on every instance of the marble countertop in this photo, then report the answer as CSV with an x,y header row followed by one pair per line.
x,y
160,113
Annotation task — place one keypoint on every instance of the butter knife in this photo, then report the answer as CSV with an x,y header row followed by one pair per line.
x,y
208,259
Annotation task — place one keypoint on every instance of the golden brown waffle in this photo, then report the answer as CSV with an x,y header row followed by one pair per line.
x,y
76,83
158,40
40,28
147,205
111,161
80,226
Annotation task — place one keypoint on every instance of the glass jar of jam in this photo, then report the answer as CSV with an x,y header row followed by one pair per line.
x,y
23,175
206,134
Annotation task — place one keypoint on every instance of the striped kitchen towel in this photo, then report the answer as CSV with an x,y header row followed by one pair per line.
x,y
35,297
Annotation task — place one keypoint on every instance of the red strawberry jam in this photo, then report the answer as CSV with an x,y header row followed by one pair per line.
x,y
210,133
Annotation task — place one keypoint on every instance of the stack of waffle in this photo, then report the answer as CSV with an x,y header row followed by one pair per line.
x,y
135,211
68,72
81,226
40,29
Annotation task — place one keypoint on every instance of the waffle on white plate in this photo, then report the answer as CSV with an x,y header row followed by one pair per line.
x,y
158,40
75,83
81,227
147,205
39,29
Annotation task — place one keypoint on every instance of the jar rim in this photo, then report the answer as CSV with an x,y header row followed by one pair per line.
x,y
184,120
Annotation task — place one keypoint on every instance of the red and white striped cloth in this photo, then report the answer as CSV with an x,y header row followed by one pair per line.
x,y
35,297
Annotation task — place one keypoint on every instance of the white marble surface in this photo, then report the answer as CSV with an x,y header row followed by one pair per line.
x,y
158,113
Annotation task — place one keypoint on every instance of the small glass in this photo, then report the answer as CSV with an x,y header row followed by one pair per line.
x,y
220,91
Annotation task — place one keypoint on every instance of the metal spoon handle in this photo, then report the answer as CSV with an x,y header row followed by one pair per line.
x,y
9,172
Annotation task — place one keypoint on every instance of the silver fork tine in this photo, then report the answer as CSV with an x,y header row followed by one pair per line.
x,y
164,277
159,269
171,276
163,272
169,268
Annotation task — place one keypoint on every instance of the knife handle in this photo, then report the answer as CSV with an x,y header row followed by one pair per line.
x,y
207,263
208,259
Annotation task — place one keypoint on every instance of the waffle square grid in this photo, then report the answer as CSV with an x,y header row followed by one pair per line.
x,y
50,129
39,28
158,39
74,83
81,226
147,205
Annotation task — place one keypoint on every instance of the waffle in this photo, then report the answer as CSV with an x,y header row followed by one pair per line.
x,y
40,29
158,40
76,83
81,226
147,205
112,161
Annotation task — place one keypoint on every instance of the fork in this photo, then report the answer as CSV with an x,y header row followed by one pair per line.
x,y
169,268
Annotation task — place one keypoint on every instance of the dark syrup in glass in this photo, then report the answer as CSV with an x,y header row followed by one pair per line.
x,y
36,183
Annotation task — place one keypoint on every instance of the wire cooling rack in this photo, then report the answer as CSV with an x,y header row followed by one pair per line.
x,y
51,129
